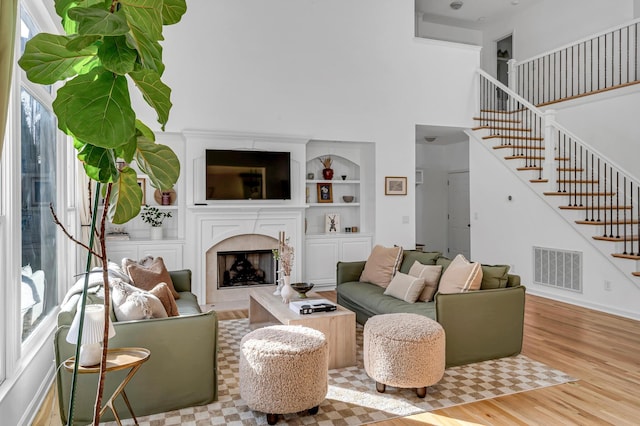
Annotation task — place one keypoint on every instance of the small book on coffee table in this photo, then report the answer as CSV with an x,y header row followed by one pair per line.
x,y
309,306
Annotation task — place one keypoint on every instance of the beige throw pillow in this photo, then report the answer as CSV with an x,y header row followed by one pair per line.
x,y
461,276
162,292
431,276
405,287
131,303
381,265
148,277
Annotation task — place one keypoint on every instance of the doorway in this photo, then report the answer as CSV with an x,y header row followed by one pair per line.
x,y
459,232
504,52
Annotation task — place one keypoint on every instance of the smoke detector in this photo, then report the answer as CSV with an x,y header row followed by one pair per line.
x,y
455,5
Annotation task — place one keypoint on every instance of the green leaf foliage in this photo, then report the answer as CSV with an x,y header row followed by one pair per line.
x,y
101,108
106,42
117,56
95,21
46,58
172,11
155,92
126,197
159,162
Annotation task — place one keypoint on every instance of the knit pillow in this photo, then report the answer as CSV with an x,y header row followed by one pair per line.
x,y
460,276
405,287
431,275
381,265
148,277
130,303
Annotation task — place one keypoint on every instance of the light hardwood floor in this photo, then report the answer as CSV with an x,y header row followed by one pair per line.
x,y
602,351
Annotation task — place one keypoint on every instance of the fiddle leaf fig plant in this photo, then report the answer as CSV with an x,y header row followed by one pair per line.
x,y
109,48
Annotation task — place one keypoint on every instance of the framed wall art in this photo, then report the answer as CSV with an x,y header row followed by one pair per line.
x,y
331,223
325,193
395,185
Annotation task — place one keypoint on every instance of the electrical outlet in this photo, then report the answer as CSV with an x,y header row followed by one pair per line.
x,y
607,285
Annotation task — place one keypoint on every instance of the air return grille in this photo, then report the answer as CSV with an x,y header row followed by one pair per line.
x,y
557,268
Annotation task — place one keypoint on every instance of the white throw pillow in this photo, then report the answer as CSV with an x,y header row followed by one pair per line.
x,y
405,287
431,275
131,303
382,264
460,276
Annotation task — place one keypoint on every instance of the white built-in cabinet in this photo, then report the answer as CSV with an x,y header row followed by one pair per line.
x,y
353,176
170,251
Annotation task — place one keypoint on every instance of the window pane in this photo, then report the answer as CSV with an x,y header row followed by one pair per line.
x,y
39,245
27,30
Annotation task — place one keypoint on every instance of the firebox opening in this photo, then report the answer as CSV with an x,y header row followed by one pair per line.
x,y
246,268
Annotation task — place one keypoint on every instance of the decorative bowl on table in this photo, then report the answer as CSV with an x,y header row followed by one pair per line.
x,y
302,288
347,198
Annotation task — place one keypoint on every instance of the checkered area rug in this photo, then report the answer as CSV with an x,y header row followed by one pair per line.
x,y
352,398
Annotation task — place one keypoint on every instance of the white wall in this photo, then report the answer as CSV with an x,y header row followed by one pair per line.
x,y
609,123
549,24
505,231
330,70
438,31
437,161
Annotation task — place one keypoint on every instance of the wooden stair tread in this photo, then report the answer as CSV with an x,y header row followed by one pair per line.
x,y
540,148
626,256
534,168
523,157
522,138
539,180
501,111
497,120
589,181
580,194
508,129
595,208
608,222
568,169
616,239
636,274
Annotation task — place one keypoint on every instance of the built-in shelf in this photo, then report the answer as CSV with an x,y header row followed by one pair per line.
x,y
334,204
335,181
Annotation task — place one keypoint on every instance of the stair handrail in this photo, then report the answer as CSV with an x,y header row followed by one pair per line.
x,y
510,92
576,42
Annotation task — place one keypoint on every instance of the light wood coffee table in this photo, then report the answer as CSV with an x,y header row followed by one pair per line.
x,y
339,326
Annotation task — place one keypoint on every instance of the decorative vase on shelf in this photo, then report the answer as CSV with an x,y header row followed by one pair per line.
x,y
287,291
156,233
327,174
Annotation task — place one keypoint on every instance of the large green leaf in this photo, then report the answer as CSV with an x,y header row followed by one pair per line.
x,y
63,6
96,107
92,20
159,162
46,58
117,56
172,11
150,50
155,92
81,42
144,131
128,150
144,16
99,163
126,197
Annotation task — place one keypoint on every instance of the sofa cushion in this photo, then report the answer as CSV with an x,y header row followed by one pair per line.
x,y
130,303
381,265
405,287
147,277
162,292
460,276
424,257
431,275
370,298
444,262
188,304
494,276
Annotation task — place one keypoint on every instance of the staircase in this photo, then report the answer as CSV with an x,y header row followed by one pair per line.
x,y
597,197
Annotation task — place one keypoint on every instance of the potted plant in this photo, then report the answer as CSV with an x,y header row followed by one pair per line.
x,y
327,171
154,217
109,47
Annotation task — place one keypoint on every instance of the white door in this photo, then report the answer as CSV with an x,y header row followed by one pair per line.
x,y
459,235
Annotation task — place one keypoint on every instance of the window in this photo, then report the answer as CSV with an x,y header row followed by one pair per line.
x,y
38,188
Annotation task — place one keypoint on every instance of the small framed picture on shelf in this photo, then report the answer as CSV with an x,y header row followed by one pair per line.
x,y
331,223
142,183
395,185
325,193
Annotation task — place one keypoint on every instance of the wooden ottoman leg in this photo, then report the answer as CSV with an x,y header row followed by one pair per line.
x,y
314,410
421,392
272,419
380,387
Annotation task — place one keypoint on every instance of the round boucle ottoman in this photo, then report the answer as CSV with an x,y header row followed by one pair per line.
x,y
283,369
404,350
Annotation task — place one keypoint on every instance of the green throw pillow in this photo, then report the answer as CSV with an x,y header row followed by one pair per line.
x,y
424,257
494,276
444,262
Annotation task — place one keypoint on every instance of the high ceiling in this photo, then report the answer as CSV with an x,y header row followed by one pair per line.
x,y
473,12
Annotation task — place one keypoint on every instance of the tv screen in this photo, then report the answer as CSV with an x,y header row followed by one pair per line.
x,y
247,175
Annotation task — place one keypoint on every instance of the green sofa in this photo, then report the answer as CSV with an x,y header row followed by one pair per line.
x,y
181,371
479,325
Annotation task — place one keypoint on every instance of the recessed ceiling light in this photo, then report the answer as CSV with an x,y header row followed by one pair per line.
x,y
456,4
429,138
515,2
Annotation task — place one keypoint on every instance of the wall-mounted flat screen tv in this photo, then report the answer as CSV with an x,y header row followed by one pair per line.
x,y
248,175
